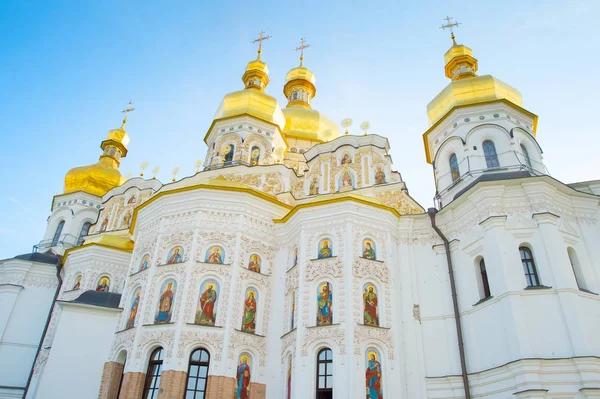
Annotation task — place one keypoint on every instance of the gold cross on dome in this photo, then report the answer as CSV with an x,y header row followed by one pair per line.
x,y
260,40
450,25
301,49
126,112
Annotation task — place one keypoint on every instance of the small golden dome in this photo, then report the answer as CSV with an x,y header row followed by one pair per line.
x,y
96,179
251,102
119,135
309,124
300,73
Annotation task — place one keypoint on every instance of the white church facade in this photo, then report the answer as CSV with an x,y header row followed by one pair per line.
x,y
296,265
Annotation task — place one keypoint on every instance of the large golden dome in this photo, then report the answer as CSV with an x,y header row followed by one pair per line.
x,y
466,87
104,175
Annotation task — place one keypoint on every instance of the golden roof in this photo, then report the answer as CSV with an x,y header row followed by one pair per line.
x,y
300,73
309,124
96,179
251,102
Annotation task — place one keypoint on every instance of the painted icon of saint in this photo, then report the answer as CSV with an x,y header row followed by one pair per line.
x,y
213,255
346,179
104,225
314,186
325,249
324,305
165,303
243,378
126,220
145,262
346,159
373,376
379,176
206,312
254,264
370,306
249,319
103,284
254,156
175,256
368,250
135,303
227,154
77,284
131,200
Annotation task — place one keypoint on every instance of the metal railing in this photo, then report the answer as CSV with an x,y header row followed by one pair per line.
x,y
65,240
475,165
227,164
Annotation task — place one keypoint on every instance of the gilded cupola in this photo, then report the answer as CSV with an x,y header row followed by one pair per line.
x,y
253,100
467,88
99,178
301,121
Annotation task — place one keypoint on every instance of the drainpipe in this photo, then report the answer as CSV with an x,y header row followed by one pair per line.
x,y
461,346
59,267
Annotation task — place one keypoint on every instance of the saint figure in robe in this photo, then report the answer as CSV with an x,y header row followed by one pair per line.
x,y
373,378
132,200
103,285
206,313
324,303
215,256
379,176
104,225
243,379
145,262
249,320
346,179
314,186
77,283
126,219
254,263
370,306
325,250
368,251
346,159
175,257
165,305
254,156
134,309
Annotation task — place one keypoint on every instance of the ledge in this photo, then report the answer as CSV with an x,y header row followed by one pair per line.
x,y
588,291
368,325
214,264
252,271
158,324
139,271
325,325
64,292
331,257
482,300
289,332
372,260
203,325
127,329
290,269
537,287
253,334
171,264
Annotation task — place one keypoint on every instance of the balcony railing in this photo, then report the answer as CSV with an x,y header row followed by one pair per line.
x,y
65,240
473,166
227,164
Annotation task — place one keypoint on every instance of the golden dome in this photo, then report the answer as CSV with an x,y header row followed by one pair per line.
x,y
119,135
300,73
309,124
466,87
251,102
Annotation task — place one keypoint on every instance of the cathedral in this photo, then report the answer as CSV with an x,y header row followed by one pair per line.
x,y
294,264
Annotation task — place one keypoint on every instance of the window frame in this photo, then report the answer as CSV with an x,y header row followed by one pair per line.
x,y
328,367
200,363
490,154
152,385
57,233
86,226
484,279
532,277
526,156
454,169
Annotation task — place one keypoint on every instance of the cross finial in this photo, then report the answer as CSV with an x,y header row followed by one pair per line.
x,y
260,40
301,48
450,25
126,112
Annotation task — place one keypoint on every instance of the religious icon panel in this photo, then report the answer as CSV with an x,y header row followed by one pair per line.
x,y
145,262
215,254
373,384
206,312
243,375
368,249
346,180
166,302
324,304
379,176
370,301
255,263
175,255
325,249
103,284
77,284
133,309
250,306
254,156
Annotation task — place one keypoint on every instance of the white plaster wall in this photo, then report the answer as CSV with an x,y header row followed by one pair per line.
x,y
81,343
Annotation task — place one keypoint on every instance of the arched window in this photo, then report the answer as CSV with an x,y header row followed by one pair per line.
x,y
254,156
526,155
454,168
529,267
85,229
325,374
153,374
57,233
579,278
197,374
484,291
491,158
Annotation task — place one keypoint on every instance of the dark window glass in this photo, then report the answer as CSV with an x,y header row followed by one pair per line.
x,y
491,158
325,374
454,168
529,267
153,375
85,229
484,279
526,155
57,233
197,374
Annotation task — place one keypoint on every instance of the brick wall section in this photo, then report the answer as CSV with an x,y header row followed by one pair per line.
x,y
172,384
257,391
111,376
220,387
133,386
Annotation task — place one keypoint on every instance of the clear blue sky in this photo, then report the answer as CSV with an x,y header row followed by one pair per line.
x,y
69,67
